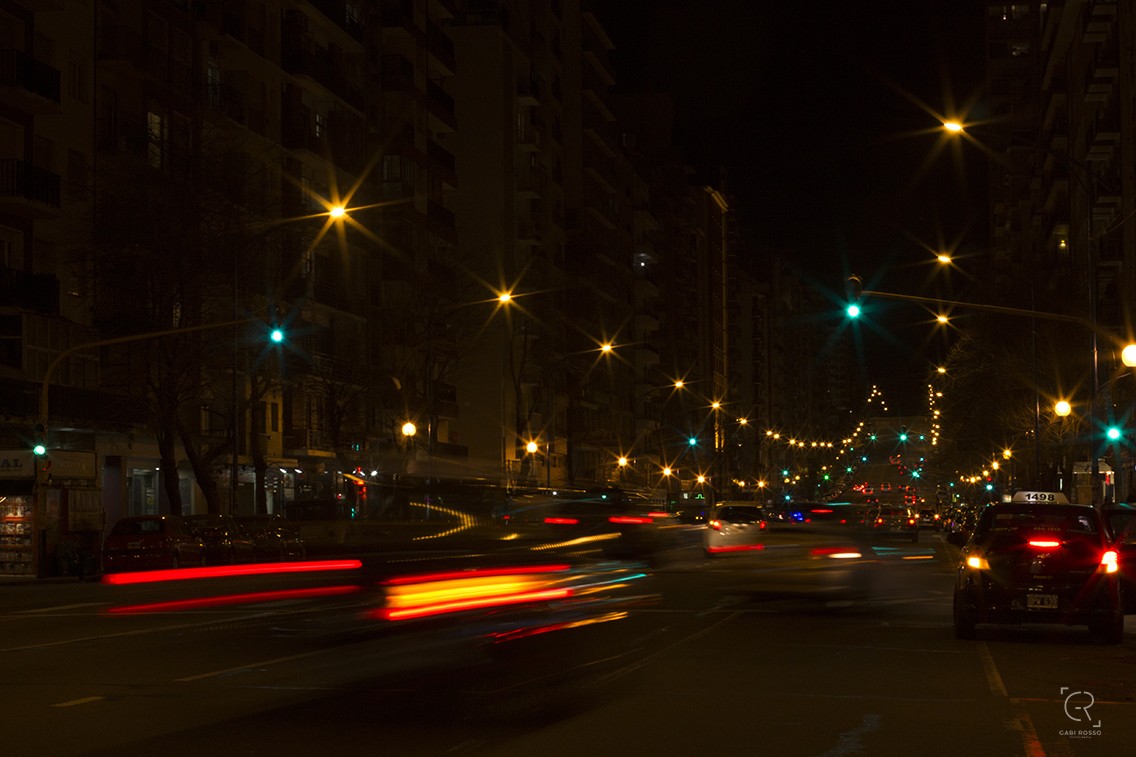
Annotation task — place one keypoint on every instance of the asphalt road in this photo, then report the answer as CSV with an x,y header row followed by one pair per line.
x,y
705,668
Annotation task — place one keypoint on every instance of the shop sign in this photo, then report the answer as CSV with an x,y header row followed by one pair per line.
x,y
17,464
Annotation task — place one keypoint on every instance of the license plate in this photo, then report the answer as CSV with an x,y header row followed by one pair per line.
x,y
1041,601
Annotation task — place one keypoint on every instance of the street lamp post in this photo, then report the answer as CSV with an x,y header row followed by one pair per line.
x,y
1087,179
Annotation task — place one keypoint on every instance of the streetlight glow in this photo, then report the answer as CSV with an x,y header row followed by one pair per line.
x,y
337,211
1062,408
954,127
1128,355
409,429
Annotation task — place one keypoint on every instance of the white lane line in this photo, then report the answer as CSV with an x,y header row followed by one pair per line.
x,y
59,608
249,666
73,702
1022,721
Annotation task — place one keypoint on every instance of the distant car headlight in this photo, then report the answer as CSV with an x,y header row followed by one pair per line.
x,y
977,562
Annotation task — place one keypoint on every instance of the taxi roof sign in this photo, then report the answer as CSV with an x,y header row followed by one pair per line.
x,y
1052,498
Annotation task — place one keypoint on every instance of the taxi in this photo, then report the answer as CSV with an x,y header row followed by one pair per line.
x,y
1039,559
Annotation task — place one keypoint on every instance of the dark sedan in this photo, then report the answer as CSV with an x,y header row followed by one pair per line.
x,y
226,542
1121,522
1039,559
273,537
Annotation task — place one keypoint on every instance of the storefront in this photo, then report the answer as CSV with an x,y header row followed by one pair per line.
x,y
17,513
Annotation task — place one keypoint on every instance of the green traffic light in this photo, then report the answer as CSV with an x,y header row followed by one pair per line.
x,y
853,310
39,449
277,335
1113,433
692,441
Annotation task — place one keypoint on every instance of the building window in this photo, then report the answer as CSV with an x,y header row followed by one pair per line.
x,y
77,81
155,139
321,125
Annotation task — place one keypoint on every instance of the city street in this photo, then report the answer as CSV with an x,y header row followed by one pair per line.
x,y
705,668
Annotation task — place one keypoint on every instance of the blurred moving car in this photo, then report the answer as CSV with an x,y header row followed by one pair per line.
x,y
1120,519
894,521
1039,559
226,542
815,550
734,527
151,542
273,537
606,521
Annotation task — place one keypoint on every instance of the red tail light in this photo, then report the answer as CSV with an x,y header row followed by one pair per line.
x,y
1044,543
561,521
717,525
625,519
1109,561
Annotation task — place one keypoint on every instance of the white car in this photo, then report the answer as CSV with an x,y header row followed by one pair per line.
x,y
735,527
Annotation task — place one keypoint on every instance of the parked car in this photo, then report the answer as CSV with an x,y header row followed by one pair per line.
x,y
226,542
273,537
151,542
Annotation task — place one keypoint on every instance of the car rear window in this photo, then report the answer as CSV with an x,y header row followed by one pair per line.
x,y
736,514
1046,518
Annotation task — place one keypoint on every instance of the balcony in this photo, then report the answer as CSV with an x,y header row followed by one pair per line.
x,y
27,190
28,84
121,44
441,49
440,104
29,291
441,219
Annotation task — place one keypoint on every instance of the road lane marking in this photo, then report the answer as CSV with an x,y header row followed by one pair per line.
x,y
1022,721
73,702
249,666
59,608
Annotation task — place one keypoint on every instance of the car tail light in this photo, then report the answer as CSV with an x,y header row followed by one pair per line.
x,y
840,553
911,521
1044,543
1109,561
715,524
561,521
626,519
762,526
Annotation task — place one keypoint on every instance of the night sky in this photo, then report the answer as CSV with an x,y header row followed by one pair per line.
x,y
824,116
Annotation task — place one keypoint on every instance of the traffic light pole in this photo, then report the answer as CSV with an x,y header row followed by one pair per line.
x,y
855,283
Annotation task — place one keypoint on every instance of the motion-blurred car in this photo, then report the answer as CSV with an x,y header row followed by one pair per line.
x,y
734,527
151,542
226,542
273,537
817,551
1120,519
894,522
1039,559
605,521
